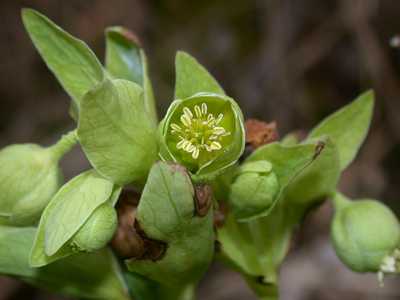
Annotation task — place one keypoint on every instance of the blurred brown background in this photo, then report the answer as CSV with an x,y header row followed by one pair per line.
x,y
293,61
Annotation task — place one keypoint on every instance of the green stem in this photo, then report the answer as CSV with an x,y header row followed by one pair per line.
x,y
64,145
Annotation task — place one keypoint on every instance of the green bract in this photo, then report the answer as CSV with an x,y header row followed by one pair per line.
x,y
166,214
254,189
364,234
117,133
204,133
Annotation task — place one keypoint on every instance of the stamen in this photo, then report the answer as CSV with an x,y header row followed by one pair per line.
x,y
204,108
199,131
197,111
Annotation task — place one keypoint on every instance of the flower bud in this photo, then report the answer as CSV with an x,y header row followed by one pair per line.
x,y
364,234
98,230
29,177
254,189
204,133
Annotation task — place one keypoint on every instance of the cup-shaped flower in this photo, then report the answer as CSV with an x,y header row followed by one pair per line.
x,y
365,235
29,177
204,132
254,189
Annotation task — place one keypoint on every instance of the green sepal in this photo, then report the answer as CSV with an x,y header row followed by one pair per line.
x,y
193,78
29,177
84,276
364,232
189,239
67,213
116,133
288,163
348,127
254,189
125,59
70,59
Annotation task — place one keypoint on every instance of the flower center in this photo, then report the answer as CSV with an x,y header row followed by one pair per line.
x,y
199,131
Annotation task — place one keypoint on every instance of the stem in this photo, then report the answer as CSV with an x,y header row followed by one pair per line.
x,y
64,145
340,201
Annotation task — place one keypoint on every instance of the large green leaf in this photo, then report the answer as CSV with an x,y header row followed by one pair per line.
x,y
193,78
189,238
85,276
69,209
70,59
348,127
125,59
116,133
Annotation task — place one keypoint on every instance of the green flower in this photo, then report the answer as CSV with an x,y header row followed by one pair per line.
x,y
366,235
254,190
204,132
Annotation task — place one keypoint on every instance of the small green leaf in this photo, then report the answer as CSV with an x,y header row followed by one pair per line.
x,y
66,214
318,180
125,59
189,238
70,59
116,133
348,127
84,276
193,78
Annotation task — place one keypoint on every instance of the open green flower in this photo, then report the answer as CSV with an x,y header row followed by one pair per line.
x,y
204,132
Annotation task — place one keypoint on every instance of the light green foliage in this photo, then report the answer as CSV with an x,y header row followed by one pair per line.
x,y
254,190
85,276
363,233
193,78
125,59
29,177
71,60
116,133
348,127
67,212
189,239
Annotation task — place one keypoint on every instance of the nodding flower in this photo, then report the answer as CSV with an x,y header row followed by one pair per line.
x,y
205,133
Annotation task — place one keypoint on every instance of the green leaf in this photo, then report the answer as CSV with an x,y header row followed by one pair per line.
x,y
125,59
348,127
66,213
85,276
317,181
116,133
70,59
193,78
189,238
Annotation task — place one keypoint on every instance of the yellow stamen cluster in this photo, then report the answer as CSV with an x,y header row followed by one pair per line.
x,y
199,131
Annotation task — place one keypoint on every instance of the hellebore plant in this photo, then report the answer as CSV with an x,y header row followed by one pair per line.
x,y
165,198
